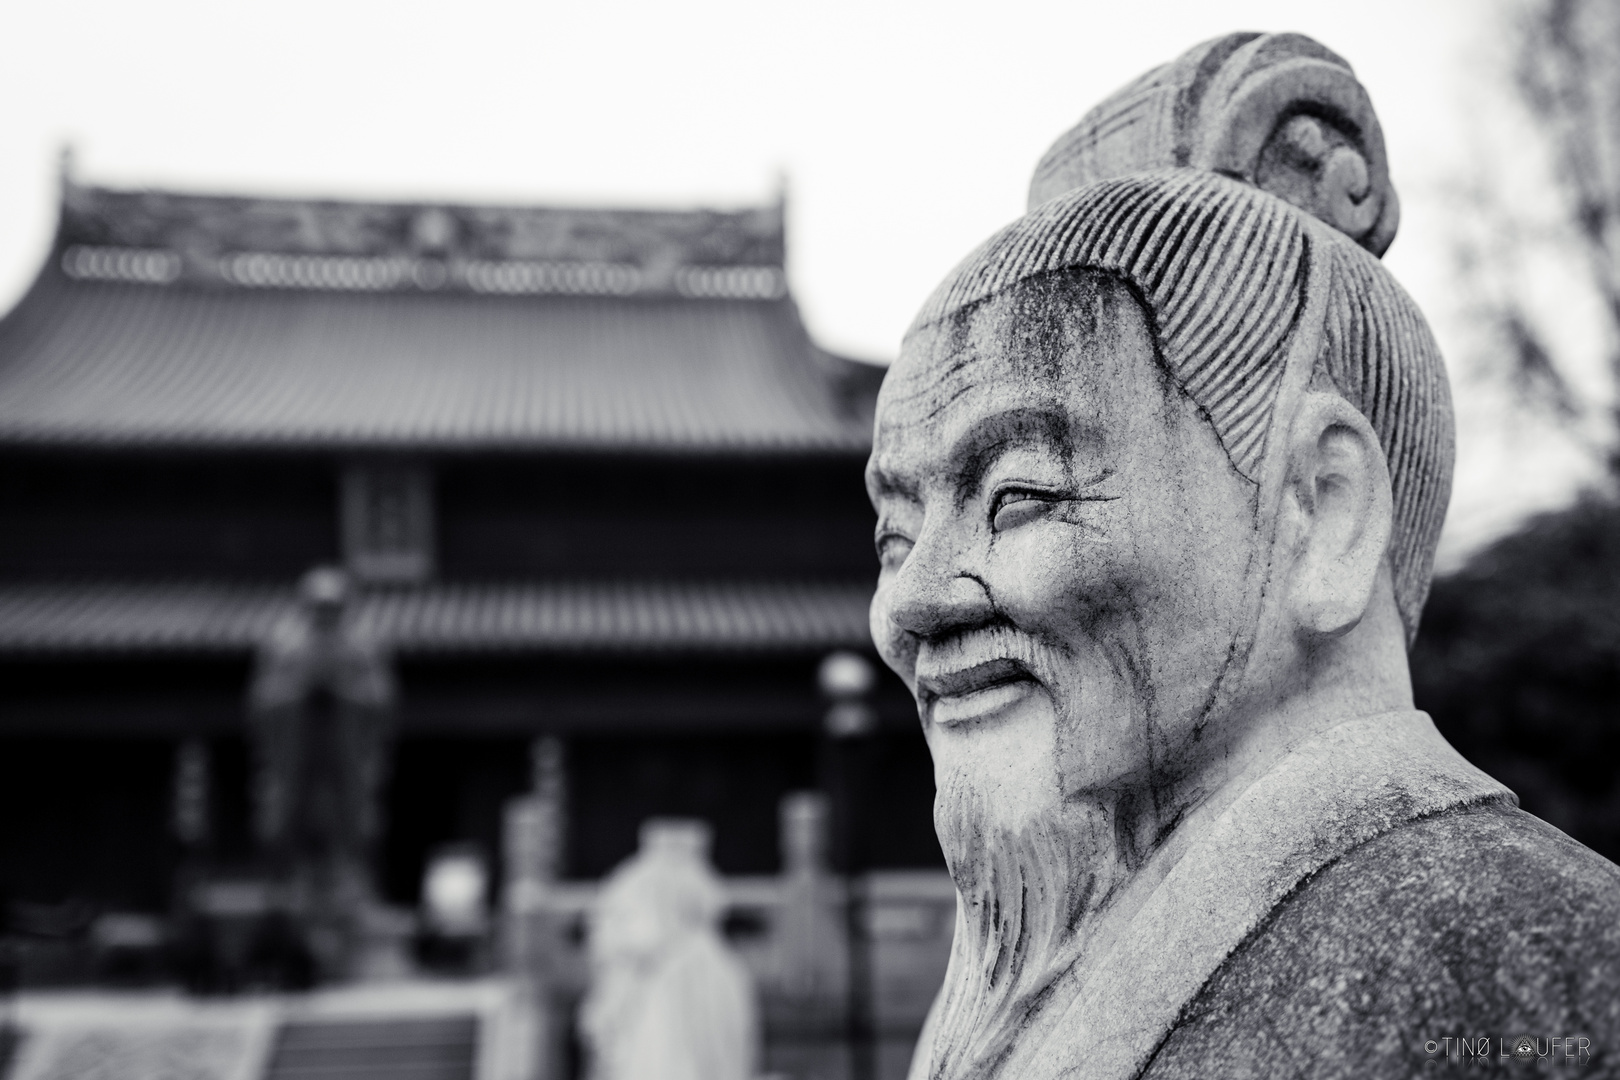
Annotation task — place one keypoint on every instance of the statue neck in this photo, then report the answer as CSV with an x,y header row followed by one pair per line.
x,y
1297,687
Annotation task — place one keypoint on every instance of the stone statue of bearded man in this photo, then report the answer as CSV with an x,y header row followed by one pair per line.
x,y
1159,475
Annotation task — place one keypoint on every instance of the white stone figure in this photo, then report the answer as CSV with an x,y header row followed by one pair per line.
x,y
668,999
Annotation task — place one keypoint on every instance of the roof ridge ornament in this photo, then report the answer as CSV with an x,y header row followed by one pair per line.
x,y
1279,111
162,238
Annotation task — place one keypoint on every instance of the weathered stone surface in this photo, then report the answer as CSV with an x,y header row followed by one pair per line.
x,y
1159,475
1434,932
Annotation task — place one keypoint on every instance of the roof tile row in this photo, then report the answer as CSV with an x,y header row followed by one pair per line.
x,y
446,618
87,362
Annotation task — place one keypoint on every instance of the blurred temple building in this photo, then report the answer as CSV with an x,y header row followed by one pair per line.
x,y
598,494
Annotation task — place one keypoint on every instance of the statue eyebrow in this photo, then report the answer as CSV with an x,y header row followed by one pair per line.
x,y
981,445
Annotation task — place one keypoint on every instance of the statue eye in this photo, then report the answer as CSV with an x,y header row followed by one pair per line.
x,y
1016,506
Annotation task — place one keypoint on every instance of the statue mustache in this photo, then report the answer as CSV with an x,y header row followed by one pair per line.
x,y
983,656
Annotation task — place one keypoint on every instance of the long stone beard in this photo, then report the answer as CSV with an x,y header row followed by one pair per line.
x,y
1022,897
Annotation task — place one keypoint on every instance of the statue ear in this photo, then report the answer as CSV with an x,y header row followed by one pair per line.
x,y
1337,503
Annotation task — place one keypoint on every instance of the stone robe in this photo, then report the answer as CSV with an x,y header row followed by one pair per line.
x,y
668,999
688,1016
1358,910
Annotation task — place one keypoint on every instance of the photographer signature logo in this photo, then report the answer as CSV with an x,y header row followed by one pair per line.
x,y
1557,1049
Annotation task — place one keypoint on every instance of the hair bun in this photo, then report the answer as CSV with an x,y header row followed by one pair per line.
x,y
1279,111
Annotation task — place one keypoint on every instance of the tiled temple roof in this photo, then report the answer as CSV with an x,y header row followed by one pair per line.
x,y
167,319
445,618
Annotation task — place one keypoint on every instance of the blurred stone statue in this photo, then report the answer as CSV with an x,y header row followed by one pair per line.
x,y
321,718
1159,475
668,999
811,934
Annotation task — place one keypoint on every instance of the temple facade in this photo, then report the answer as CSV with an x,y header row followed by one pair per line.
x,y
598,490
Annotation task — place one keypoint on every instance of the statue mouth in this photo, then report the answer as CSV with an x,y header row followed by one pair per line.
x,y
978,691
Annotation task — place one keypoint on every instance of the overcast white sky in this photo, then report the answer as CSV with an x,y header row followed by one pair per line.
x,y
906,131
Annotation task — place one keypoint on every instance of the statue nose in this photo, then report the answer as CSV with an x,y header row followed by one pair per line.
x,y
929,604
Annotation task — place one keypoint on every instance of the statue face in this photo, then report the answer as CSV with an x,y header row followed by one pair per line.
x,y
1067,553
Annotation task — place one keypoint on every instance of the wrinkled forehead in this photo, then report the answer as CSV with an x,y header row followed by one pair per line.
x,y
1049,341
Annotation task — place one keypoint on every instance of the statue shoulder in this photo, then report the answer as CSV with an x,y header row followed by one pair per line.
x,y
1525,887
1484,922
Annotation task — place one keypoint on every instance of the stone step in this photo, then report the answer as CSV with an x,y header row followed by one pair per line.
x,y
423,1048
